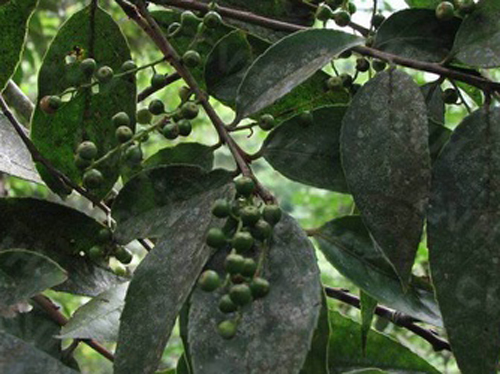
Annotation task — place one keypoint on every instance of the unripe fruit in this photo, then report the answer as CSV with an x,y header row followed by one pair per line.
x,y
249,268
234,263
351,8
324,12
259,287
272,214
306,118
123,134
87,150
95,253
245,186
445,11
120,270
240,294
104,74
242,241
450,96
334,84
128,66
362,64
92,179
221,208
158,81
104,235
342,18
379,65
267,122
191,59
346,80
189,110
346,54
171,131
50,104
156,107
227,329
262,230
212,20
249,215
185,127
226,305
81,163
184,93
377,20
144,116
177,115
88,66
209,281
121,119
133,155
123,255
216,238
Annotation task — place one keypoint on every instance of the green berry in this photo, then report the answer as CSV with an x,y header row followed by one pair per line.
x,y
242,241
156,107
245,186
133,155
379,65
105,235
189,110
377,20
226,305
445,11
95,253
346,54
121,119
234,263
92,179
306,118
128,65
184,93
50,104
171,131
212,19
191,59
216,238
120,270
324,12
240,294
87,150
249,215
259,287
123,255
104,74
262,230
272,214
351,8
209,281
238,279
123,134
342,18
347,80
158,81
88,66
81,163
362,64
249,268
144,116
221,208
450,96
177,115
185,127
227,329
267,122
334,84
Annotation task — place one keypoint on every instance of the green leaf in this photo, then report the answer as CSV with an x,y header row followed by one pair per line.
x,y
99,318
417,34
473,92
385,155
174,204
182,365
428,4
87,116
286,64
15,158
381,351
368,305
60,233
463,235
24,274
309,154
25,358
347,245
14,17
478,39
270,339
184,153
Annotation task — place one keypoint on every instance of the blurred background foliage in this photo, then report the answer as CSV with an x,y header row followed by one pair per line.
x,y
310,206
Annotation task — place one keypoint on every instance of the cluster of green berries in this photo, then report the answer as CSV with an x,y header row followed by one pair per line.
x,y
254,227
189,22
338,10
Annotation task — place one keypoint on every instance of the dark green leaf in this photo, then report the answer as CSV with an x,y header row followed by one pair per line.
x,y
428,4
88,115
417,34
463,240
25,358
174,203
14,17
309,154
24,274
385,155
368,305
286,64
478,39
99,318
270,339
381,351
184,153
347,245
60,233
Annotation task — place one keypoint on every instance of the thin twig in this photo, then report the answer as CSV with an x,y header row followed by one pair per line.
x,y
148,91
